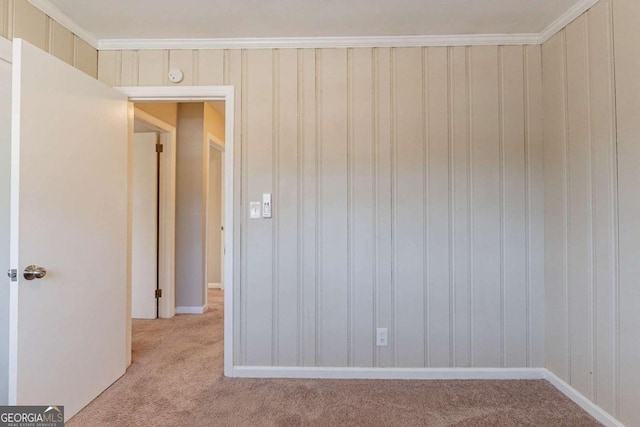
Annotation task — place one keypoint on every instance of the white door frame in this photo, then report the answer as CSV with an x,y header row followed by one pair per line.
x,y
167,220
218,145
203,94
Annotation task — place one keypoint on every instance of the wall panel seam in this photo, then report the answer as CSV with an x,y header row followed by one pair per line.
x,y
452,205
501,173
350,191
375,168
275,188
394,190
245,162
567,189
319,189
49,42
470,203
615,306
426,216
300,141
527,197
592,242
195,65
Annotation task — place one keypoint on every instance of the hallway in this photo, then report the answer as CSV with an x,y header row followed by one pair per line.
x,y
176,379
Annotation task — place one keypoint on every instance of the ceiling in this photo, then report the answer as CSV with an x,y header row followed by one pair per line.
x,y
191,19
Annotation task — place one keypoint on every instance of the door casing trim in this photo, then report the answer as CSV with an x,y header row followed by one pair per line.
x,y
203,94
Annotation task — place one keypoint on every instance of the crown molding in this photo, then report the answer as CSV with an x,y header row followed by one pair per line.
x,y
61,18
566,18
6,50
317,42
320,42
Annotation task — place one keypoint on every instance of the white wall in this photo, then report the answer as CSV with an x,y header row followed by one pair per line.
x,y
5,180
592,140
407,189
191,217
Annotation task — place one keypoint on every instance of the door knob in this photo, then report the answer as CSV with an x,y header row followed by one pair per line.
x,y
34,272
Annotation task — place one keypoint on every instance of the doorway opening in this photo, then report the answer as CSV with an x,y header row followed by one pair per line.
x,y
153,157
209,162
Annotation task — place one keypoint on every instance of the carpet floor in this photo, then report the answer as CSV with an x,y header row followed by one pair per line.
x,y
176,380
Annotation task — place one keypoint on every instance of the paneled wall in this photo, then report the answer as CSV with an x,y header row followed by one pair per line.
x,y
408,194
591,193
19,18
627,39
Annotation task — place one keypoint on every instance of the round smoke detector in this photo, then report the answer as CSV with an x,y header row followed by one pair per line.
x,y
176,75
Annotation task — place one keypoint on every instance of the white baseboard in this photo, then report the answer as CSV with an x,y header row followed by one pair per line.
x,y
390,373
430,374
215,285
191,310
582,401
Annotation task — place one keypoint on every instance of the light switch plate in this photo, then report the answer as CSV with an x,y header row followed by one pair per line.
x,y
266,205
254,210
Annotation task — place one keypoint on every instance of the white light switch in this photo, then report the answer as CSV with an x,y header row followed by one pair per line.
x,y
382,337
266,205
254,210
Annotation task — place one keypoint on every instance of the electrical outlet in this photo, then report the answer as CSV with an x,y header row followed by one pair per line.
x,y
382,337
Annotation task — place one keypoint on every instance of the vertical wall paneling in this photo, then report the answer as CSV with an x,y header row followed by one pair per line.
x,y
259,143
409,206
334,161
110,67
362,207
30,24
61,42
309,219
407,190
625,325
286,208
129,68
555,213
514,209
153,67
604,194
233,75
210,67
85,57
534,148
487,318
4,18
436,204
384,144
579,205
581,199
461,217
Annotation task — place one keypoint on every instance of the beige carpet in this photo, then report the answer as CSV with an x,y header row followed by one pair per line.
x,y
176,380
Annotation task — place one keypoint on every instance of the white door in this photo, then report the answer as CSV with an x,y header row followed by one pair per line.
x,y
69,215
144,244
5,194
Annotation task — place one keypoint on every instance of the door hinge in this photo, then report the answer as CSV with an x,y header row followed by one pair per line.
x,y
159,148
158,293
13,274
